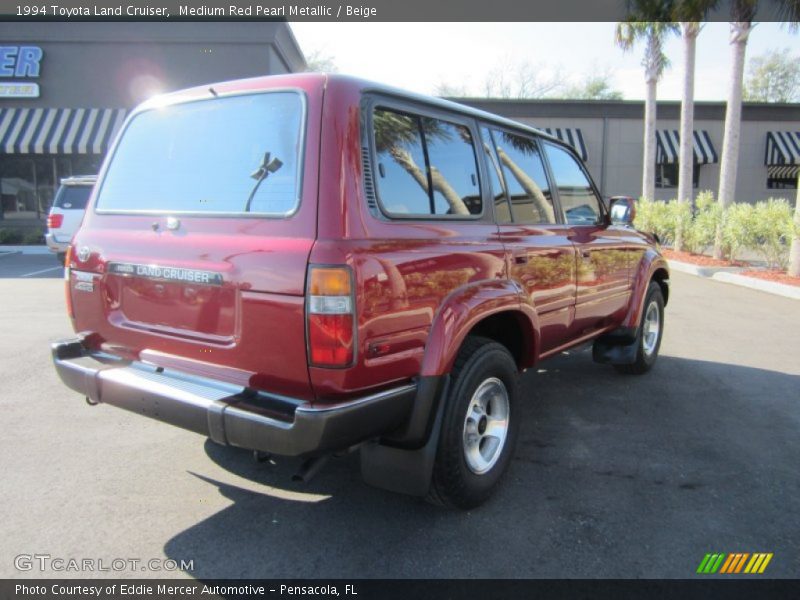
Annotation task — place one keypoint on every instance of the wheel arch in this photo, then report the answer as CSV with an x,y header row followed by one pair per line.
x,y
492,310
661,277
653,267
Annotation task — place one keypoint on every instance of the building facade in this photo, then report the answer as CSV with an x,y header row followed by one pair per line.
x,y
65,89
609,135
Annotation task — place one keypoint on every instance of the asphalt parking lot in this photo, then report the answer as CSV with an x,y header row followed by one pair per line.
x,y
614,476
29,266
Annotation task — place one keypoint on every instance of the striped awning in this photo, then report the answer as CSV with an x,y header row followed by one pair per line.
x,y
573,137
783,148
783,171
668,144
58,130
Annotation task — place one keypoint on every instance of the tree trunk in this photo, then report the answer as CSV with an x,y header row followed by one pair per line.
x,y
686,157
440,184
529,185
733,120
649,156
404,159
794,252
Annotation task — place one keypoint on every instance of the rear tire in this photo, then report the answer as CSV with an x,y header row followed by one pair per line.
x,y
648,334
479,428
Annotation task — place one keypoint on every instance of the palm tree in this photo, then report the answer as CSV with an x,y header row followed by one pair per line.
x,y
654,62
742,14
689,13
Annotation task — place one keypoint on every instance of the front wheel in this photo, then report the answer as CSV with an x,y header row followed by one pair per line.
x,y
480,425
649,333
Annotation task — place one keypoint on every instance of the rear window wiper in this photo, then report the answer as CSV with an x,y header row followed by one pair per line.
x,y
268,165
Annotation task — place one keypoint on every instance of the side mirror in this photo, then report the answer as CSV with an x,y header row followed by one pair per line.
x,y
622,210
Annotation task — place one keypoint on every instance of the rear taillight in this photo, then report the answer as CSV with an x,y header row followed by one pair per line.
x,y
331,316
55,221
67,292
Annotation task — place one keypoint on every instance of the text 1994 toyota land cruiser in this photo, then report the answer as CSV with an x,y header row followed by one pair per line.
x,y
306,264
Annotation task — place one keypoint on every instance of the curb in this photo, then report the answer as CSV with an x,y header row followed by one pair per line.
x,y
731,275
25,250
771,287
701,271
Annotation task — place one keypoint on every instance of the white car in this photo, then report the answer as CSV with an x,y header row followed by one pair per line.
x,y
67,212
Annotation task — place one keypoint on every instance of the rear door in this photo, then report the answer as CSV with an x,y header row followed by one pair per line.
x,y
542,256
194,254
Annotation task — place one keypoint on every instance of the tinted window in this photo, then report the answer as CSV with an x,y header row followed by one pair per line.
x,y
578,200
402,177
501,210
73,196
236,154
521,159
454,171
425,166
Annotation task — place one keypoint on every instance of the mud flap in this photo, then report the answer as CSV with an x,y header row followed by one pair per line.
x,y
401,470
616,348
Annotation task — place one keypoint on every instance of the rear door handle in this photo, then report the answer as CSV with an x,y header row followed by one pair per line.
x,y
521,258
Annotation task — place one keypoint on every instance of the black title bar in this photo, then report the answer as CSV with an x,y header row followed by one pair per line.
x,y
704,587
333,11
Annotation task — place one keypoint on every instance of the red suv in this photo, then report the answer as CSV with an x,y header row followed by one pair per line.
x,y
307,264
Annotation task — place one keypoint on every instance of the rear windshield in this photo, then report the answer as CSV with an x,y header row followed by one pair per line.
x,y
72,196
239,154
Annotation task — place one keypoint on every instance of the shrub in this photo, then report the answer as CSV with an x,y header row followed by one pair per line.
x,y
33,238
708,214
655,216
772,230
739,229
10,236
766,227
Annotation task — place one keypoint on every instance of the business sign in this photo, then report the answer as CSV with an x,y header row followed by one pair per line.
x,y
20,62
17,89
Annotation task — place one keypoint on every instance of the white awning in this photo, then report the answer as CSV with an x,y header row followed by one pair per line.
x,y
668,143
783,148
573,137
58,130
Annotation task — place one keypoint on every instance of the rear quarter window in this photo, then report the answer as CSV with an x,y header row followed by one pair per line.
x,y
236,154
426,167
72,197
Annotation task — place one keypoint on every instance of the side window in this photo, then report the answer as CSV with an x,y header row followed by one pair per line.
x,y
425,166
502,211
580,204
453,168
403,182
528,189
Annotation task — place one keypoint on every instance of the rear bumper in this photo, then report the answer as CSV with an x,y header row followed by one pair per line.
x,y
229,414
55,246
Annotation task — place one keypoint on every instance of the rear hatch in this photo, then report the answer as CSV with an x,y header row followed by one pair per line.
x,y
193,255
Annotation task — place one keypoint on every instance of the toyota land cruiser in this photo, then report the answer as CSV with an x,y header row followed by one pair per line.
x,y
307,264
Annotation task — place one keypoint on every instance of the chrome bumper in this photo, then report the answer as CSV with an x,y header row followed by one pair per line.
x,y
229,414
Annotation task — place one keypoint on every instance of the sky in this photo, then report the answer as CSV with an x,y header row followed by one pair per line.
x,y
420,56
